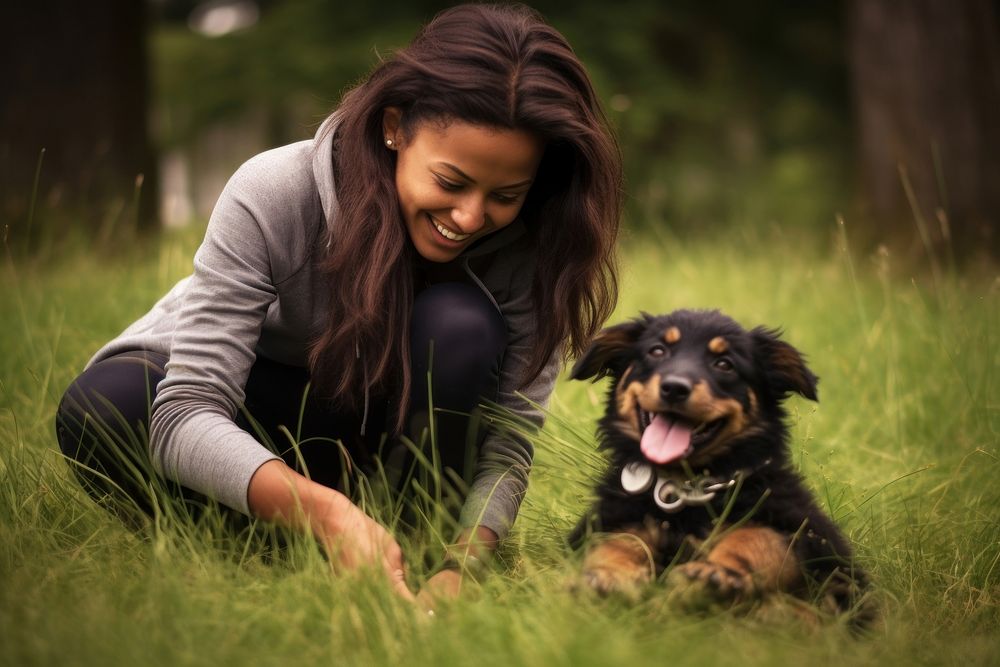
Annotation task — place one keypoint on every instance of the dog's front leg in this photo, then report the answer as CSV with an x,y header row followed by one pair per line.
x,y
746,562
623,561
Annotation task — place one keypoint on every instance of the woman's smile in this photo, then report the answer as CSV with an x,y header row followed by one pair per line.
x,y
447,233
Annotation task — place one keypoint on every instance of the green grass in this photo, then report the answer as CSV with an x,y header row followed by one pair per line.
x,y
902,451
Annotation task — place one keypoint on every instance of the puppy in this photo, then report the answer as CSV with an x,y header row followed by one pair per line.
x,y
700,475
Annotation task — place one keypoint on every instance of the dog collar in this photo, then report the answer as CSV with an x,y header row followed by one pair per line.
x,y
672,494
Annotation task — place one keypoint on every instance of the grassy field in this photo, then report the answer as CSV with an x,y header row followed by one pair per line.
x,y
902,450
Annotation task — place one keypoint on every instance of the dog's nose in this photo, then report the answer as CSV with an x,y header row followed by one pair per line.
x,y
675,389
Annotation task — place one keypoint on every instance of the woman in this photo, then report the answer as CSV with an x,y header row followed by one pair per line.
x,y
455,215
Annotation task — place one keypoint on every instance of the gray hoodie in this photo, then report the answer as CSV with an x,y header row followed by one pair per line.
x,y
255,291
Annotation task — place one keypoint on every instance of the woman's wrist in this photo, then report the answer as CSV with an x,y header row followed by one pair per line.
x,y
472,551
465,565
478,541
278,493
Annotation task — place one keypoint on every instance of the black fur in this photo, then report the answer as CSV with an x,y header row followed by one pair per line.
x,y
771,494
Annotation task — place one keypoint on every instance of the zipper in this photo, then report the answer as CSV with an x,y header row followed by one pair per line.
x,y
479,283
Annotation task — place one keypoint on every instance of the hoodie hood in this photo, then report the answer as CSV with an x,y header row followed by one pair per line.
x,y
322,166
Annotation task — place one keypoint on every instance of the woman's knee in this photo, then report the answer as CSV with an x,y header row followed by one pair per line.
x,y
113,395
460,326
101,422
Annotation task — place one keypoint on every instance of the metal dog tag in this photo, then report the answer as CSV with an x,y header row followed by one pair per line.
x,y
668,496
637,477
697,493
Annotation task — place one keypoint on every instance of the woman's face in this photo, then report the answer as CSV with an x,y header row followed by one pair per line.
x,y
459,182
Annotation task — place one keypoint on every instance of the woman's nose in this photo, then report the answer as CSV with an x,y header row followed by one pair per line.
x,y
469,215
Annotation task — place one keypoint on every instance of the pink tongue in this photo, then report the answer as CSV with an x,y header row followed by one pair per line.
x,y
664,441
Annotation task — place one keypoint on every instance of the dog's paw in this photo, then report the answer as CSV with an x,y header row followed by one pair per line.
x,y
620,563
725,583
701,584
606,581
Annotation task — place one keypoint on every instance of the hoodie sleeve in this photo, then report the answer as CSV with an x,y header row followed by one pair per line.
x,y
193,437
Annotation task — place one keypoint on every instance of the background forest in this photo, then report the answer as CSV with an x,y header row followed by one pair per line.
x,y
730,114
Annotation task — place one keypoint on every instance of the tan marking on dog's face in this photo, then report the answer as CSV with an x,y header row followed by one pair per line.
x,y
648,394
632,397
626,398
718,345
704,406
751,421
672,335
628,372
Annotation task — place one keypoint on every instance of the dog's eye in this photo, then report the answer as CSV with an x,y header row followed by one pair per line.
x,y
723,364
657,351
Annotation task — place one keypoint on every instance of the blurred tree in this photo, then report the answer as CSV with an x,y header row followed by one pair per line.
x,y
927,87
75,83
292,65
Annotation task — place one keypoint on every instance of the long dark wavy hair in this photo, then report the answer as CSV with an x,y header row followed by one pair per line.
x,y
496,66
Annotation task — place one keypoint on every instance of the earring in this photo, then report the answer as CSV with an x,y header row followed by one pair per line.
x,y
388,142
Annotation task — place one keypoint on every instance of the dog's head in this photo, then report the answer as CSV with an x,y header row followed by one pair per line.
x,y
689,386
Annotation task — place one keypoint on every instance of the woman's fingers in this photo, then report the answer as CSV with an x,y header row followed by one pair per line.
x,y
365,543
445,585
397,579
351,538
395,566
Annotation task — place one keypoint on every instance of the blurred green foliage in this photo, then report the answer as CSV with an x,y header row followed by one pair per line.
x,y
730,114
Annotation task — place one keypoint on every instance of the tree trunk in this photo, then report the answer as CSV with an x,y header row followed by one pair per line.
x,y
75,83
926,78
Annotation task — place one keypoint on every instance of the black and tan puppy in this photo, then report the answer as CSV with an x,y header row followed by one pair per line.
x,y
700,474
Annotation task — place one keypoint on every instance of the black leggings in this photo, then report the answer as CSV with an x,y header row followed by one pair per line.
x,y
102,421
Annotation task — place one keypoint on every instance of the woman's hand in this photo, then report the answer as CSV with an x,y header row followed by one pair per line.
x,y
471,551
351,538
354,540
445,585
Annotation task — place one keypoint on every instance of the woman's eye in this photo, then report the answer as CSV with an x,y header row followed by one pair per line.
x,y
723,364
450,186
657,351
506,199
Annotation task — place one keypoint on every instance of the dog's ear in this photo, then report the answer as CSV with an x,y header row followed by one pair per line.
x,y
783,367
607,351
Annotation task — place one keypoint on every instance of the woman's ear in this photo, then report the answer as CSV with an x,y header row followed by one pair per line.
x,y
608,351
391,118
782,365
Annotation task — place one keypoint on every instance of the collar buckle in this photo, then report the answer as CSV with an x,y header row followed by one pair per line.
x,y
670,493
